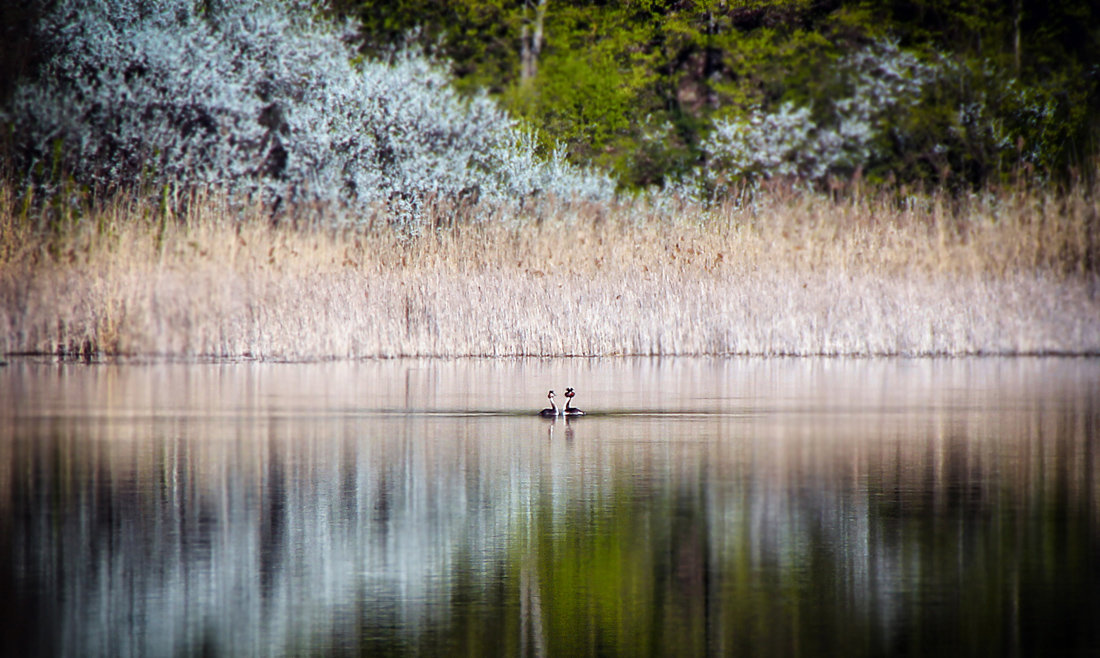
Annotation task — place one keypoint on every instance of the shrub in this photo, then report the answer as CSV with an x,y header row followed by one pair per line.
x,y
849,133
895,115
264,99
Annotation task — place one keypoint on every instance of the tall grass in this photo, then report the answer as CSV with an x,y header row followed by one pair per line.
x,y
791,273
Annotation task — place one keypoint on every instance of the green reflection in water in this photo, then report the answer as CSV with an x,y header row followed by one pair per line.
x,y
971,560
921,527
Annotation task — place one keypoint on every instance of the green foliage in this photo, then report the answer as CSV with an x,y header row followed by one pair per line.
x,y
581,101
767,67
1021,87
636,86
479,37
979,124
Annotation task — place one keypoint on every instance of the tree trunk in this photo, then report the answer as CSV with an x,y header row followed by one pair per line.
x,y
1017,15
712,63
531,40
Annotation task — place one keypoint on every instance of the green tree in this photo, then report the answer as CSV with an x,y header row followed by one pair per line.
x,y
635,86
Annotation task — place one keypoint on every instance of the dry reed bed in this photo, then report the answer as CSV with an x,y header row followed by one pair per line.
x,y
792,274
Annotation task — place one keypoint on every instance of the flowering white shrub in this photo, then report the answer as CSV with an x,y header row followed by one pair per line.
x,y
791,142
783,143
261,97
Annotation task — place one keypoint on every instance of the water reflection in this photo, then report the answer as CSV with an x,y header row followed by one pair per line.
x,y
703,507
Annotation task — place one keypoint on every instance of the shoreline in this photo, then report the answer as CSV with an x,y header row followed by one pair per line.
x,y
155,360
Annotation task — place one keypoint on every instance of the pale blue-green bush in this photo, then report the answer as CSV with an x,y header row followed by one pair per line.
x,y
796,142
263,98
894,114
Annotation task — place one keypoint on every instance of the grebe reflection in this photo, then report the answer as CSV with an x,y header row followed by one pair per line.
x,y
553,424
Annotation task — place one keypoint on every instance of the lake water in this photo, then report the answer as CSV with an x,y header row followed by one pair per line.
x,y
703,507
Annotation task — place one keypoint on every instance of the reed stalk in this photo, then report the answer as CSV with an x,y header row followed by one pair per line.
x,y
791,273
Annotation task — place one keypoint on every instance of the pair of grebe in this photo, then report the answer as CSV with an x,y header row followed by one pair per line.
x,y
568,411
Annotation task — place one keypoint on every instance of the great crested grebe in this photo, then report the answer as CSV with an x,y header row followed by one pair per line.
x,y
553,410
571,411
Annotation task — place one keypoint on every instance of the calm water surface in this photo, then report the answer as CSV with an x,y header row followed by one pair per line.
x,y
703,507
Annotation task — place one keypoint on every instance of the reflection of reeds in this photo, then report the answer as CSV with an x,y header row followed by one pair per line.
x,y
792,274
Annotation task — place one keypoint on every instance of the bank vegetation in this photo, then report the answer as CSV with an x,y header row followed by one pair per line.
x,y
786,272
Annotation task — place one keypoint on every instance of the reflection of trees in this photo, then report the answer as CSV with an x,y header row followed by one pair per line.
x,y
479,536
532,636
903,543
